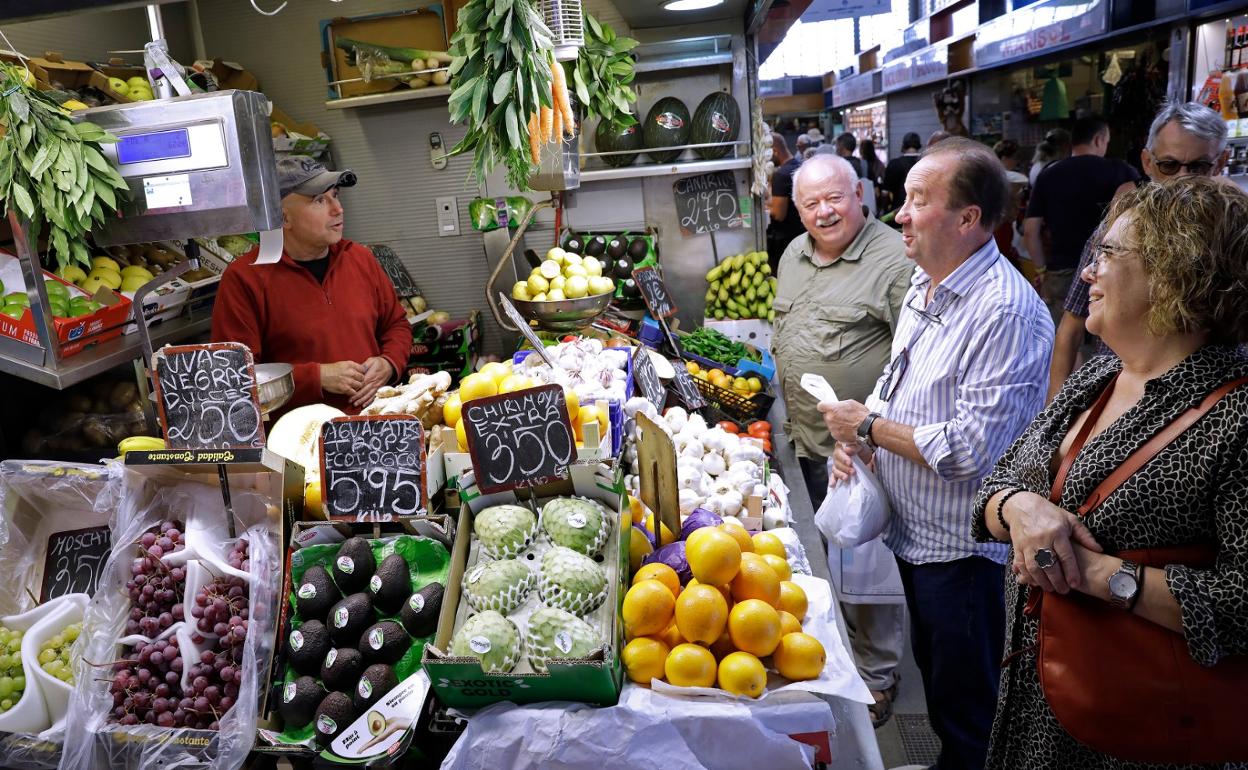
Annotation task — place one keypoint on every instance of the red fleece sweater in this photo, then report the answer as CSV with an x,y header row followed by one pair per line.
x,y
285,316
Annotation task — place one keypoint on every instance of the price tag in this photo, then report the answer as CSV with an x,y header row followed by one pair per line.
x,y
74,561
654,292
525,330
688,390
207,397
404,286
373,468
519,439
647,378
707,203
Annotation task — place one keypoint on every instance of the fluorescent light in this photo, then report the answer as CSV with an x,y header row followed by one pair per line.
x,y
690,5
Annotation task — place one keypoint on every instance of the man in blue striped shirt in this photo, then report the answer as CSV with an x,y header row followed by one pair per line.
x,y
968,372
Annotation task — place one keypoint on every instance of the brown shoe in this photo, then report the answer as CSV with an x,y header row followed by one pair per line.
x,y
882,710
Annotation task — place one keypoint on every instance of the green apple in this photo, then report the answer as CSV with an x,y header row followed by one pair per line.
x,y
138,81
17,298
119,86
14,311
56,289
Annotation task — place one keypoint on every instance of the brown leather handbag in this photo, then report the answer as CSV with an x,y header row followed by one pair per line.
x,y
1123,685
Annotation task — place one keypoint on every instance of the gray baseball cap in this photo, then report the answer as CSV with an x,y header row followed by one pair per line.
x,y
303,175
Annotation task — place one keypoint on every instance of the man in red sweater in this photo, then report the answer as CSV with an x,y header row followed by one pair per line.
x,y
327,306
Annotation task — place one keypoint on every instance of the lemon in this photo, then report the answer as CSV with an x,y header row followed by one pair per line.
x,y
756,580
779,564
755,384
495,371
671,637
574,404
701,613
312,500
558,282
766,542
660,572
638,548
714,556
550,269
592,267
556,295
643,659
692,367
689,665
452,410
789,624
648,608
740,535
793,599
740,673
477,385
723,646
461,436
799,656
520,291
576,287
514,382
754,627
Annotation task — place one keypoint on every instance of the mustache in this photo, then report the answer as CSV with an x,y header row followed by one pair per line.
x,y
828,221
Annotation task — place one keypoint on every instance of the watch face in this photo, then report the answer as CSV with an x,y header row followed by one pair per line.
x,y
1122,585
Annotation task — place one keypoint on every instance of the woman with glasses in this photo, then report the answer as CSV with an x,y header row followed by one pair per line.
x,y
1169,294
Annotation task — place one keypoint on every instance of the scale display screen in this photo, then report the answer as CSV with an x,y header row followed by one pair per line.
x,y
158,145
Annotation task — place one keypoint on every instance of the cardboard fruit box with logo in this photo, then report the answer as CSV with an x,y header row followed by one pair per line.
x,y
461,682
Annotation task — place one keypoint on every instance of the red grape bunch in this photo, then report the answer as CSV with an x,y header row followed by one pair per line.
x,y
155,588
147,687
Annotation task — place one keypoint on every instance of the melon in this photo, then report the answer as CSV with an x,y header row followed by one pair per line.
x,y
610,137
717,119
667,125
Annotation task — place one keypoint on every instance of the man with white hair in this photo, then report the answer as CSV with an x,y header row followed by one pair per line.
x,y
1185,139
838,299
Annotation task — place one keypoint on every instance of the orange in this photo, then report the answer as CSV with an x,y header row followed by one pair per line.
x,y
781,566
740,535
766,542
793,599
689,665
789,624
725,590
671,637
643,659
660,572
648,608
756,580
740,673
637,510
799,656
638,548
452,410
723,646
754,627
701,614
714,556
477,385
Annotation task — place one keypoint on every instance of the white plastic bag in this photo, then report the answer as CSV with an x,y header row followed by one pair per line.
x,y
855,511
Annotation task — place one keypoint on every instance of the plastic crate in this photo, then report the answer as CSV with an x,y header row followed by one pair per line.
x,y
615,412
652,335
735,405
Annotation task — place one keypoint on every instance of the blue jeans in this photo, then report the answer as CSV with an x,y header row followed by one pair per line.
x,y
957,629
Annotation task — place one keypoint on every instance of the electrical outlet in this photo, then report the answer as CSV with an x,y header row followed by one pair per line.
x,y
448,215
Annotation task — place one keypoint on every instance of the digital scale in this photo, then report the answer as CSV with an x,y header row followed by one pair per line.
x,y
197,166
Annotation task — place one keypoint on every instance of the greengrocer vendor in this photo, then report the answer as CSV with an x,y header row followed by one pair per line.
x,y
326,307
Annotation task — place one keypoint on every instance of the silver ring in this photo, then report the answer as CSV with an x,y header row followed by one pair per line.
x,y
1045,558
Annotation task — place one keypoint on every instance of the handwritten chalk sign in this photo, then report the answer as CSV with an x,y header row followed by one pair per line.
x,y
207,397
688,389
74,561
404,286
647,378
654,292
707,202
373,468
519,439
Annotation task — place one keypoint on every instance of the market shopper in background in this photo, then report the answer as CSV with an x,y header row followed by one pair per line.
x,y
784,224
1007,233
967,373
1170,296
897,168
327,306
846,143
1069,199
838,300
1185,139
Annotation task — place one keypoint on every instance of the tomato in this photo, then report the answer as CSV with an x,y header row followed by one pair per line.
x,y
570,338
759,429
730,427
767,445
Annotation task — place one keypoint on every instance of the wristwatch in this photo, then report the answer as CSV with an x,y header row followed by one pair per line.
x,y
864,429
1124,586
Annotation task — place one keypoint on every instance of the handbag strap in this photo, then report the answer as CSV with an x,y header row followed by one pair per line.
x,y
1139,457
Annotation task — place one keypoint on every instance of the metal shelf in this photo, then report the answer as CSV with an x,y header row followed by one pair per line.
x,y
665,169
708,51
402,95
97,359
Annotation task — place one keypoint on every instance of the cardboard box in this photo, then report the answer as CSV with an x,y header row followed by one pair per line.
x,y
231,76
164,303
301,138
73,334
754,332
75,75
461,683
420,28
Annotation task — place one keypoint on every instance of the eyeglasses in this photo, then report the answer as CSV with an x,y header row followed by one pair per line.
x,y
1106,252
896,369
893,373
1170,167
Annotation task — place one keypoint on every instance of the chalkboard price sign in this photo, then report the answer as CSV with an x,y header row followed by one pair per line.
x,y
402,280
207,397
373,468
707,203
647,378
654,292
519,439
688,390
74,561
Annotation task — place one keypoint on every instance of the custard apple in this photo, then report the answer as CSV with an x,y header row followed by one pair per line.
x,y
576,523
498,585
505,530
492,639
572,581
561,635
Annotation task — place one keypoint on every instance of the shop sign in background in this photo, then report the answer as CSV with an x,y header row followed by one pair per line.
x,y
1039,27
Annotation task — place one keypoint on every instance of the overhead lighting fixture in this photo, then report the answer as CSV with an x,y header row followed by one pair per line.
x,y
690,5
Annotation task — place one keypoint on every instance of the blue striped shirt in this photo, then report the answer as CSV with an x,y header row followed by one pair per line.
x,y
975,374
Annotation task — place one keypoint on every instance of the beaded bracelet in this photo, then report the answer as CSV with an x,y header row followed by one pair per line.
x,y
1001,507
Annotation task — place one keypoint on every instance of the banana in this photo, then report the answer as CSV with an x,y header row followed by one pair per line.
x,y
140,444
